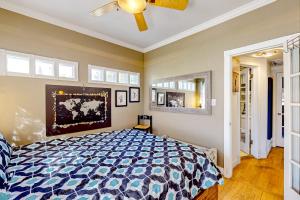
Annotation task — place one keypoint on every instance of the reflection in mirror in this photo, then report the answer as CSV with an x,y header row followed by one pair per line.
x,y
188,93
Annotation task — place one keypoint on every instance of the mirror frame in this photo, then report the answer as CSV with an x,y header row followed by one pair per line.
x,y
208,91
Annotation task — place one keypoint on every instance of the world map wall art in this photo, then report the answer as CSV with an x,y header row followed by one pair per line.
x,y
72,109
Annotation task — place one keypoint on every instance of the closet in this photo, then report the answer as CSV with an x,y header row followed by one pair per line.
x,y
246,77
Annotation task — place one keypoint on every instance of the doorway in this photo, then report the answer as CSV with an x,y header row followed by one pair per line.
x,y
254,103
291,166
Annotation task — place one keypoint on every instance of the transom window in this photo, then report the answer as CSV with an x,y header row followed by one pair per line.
x,y
113,76
27,65
180,85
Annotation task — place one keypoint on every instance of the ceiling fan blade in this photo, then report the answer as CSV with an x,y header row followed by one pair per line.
x,y
140,21
113,6
173,4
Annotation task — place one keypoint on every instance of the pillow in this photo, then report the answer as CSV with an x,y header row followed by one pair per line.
x,y
5,153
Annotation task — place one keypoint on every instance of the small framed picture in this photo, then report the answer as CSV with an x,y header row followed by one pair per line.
x,y
160,98
153,95
235,82
121,98
175,99
134,94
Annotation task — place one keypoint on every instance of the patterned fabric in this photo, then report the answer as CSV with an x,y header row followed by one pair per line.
x,y
128,164
5,153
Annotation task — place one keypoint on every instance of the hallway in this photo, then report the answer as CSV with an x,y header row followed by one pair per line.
x,y
256,179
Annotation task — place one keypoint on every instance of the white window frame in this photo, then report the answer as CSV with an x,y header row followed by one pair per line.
x,y
74,66
105,69
32,59
55,75
128,77
114,71
90,68
7,73
139,77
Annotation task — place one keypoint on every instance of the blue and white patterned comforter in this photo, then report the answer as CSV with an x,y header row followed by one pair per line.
x,y
126,164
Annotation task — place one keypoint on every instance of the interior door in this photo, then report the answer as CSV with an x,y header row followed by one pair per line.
x,y
280,110
292,125
245,110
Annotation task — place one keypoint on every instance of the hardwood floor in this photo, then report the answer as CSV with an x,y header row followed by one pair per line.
x,y
256,179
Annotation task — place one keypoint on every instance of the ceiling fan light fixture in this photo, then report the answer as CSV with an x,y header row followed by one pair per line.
x,y
133,6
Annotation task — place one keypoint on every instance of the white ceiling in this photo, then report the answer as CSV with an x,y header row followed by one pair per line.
x,y
165,25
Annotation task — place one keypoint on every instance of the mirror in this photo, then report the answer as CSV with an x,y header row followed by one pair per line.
x,y
187,94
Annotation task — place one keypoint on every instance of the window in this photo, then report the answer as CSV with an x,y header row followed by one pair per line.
x,y
97,74
186,85
159,85
180,85
123,77
67,71
44,67
26,65
113,76
17,64
191,86
166,85
172,85
134,79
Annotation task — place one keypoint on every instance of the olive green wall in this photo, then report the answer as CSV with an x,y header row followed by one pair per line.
x,y
22,100
205,51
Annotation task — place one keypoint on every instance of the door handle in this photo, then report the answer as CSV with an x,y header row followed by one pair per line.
x,y
279,114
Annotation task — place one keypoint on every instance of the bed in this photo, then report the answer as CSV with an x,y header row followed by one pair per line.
x,y
126,164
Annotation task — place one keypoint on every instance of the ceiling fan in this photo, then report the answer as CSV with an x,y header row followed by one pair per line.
x,y
137,7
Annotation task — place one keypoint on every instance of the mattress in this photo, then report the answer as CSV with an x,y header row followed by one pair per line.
x,y
127,164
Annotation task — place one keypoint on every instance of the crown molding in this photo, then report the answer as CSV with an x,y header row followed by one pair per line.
x,y
55,21
253,5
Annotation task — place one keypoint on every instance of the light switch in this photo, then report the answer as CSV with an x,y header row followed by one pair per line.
x,y
214,102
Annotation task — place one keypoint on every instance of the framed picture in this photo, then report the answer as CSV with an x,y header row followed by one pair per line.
x,y
71,109
160,98
134,94
175,99
235,82
153,95
121,98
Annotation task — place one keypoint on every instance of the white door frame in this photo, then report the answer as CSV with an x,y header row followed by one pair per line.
x,y
279,141
228,55
275,71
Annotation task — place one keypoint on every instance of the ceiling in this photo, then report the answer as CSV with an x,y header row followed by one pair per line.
x,y
119,27
278,56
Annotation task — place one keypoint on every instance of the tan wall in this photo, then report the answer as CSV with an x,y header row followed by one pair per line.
x,y
22,100
205,51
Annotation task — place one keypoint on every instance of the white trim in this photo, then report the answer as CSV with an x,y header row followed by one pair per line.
x,y
50,61
246,8
253,5
277,98
90,67
289,193
72,64
228,162
21,55
32,58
